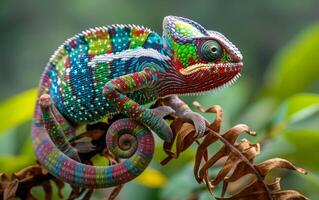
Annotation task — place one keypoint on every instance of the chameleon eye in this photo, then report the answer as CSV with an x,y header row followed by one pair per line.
x,y
211,50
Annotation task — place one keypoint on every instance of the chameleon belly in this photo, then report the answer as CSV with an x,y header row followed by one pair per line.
x,y
76,87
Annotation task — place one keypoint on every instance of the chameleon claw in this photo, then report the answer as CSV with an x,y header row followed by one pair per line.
x,y
198,120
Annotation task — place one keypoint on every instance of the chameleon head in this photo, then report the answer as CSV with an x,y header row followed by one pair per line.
x,y
204,59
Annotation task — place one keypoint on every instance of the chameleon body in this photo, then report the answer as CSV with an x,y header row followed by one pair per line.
x,y
118,69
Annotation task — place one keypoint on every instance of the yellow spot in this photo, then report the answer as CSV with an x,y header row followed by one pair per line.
x,y
152,178
106,119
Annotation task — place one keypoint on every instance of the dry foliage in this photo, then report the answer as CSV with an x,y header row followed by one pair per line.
x,y
234,158
237,159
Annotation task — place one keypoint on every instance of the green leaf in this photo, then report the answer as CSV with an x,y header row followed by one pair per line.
x,y
258,113
295,109
298,146
309,184
17,109
301,106
10,163
296,67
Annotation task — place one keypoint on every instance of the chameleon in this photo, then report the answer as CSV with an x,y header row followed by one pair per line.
x,y
120,68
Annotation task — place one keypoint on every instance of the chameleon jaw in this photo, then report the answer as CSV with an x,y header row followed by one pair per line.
x,y
227,67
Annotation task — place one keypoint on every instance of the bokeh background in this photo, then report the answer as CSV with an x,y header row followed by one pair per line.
x,y
277,94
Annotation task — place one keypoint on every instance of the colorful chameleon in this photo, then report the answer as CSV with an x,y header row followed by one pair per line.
x,y
118,69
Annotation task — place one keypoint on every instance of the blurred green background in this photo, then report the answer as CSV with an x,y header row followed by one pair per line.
x,y
277,94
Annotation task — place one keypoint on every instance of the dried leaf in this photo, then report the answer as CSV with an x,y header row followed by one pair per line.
x,y
254,190
288,194
88,194
29,173
167,146
202,153
231,136
115,192
238,163
215,126
75,193
10,189
270,164
185,138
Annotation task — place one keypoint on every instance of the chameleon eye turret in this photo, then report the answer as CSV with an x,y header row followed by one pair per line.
x,y
117,69
210,51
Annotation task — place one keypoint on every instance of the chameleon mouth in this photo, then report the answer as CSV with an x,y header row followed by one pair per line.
x,y
215,67
210,90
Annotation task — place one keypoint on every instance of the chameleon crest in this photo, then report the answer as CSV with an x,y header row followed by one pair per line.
x,y
116,70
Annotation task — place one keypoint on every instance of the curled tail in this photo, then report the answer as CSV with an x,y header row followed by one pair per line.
x,y
126,138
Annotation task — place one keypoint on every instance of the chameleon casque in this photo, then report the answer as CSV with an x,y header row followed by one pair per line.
x,y
118,69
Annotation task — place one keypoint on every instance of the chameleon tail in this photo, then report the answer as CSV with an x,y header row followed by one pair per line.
x,y
126,138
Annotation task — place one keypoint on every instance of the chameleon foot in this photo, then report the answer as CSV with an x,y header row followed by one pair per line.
x,y
154,119
198,120
182,110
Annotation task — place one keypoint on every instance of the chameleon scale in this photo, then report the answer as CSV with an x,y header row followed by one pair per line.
x,y
118,69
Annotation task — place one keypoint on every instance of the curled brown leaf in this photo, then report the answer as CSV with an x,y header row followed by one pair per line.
x,y
10,189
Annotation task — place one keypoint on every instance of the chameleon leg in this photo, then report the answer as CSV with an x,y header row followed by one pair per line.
x,y
115,91
58,128
182,110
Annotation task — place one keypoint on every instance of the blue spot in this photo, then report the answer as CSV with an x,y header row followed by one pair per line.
x,y
120,38
131,167
79,174
57,169
154,41
54,90
108,175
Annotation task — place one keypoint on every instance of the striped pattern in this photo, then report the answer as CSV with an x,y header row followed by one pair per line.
x,y
118,69
76,85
